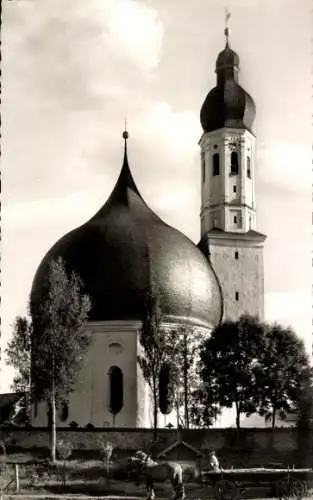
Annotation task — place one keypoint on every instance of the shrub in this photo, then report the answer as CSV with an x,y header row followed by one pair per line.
x,y
64,450
73,425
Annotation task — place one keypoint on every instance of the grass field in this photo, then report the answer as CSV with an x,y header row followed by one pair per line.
x,y
81,479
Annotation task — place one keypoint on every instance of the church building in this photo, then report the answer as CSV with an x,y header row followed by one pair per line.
x,y
125,252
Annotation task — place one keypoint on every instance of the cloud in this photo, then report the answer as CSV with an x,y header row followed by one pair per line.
x,y
177,131
137,32
79,62
46,211
285,165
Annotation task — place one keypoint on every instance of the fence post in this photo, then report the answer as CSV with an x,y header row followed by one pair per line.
x,y
17,478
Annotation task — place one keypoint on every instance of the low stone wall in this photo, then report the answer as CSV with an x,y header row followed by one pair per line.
x,y
257,447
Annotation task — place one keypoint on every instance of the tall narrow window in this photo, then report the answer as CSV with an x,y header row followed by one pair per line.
x,y
234,165
203,167
216,164
235,219
36,408
116,389
236,255
234,189
249,167
63,411
237,295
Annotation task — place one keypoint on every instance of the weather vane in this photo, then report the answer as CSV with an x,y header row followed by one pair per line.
x,y
226,30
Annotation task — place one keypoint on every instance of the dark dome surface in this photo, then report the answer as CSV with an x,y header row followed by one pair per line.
x,y
227,104
126,251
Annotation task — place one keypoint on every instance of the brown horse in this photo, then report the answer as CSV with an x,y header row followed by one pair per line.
x,y
159,471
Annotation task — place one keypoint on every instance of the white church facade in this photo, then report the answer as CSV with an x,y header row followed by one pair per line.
x,y
126,251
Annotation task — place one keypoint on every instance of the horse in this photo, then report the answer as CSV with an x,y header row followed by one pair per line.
x,y
159,471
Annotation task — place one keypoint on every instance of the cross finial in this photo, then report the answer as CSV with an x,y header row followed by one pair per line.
x,y
226,30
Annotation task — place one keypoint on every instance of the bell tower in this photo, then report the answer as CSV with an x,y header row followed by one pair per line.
x,y
229,236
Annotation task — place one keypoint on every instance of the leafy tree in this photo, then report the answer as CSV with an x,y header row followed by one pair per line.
x,y
60,340
205,407
227,361
18,355
281,371
183,355
304,405
153,341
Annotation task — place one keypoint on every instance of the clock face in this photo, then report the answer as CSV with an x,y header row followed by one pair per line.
x,y
234,143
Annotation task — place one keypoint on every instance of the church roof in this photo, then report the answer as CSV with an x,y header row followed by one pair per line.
x,y
125,252
180,444
10,398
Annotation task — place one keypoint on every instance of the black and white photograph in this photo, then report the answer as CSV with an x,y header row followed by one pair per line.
x,y
156,250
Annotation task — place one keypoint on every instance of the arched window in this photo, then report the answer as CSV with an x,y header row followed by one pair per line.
x,y
63,411
249,167
203,167
116,390
216,164
165,389
234,164
36,408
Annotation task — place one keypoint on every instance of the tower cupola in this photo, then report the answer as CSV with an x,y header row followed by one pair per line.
x,y
227,104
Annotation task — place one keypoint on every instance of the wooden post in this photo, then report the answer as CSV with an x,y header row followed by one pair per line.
x,y
17,478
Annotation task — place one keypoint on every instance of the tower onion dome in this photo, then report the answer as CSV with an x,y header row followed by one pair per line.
x,y
125,252
227,104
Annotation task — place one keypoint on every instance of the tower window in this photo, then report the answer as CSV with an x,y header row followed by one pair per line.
x,y
116,390
203,168
236,255
237,295
249,167
235,219
216,164
235,189
234,165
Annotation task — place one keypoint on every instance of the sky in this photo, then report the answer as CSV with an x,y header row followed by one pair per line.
x,y
72,70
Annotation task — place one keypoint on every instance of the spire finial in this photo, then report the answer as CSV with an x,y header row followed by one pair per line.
x,y
125,136
125,133
227,30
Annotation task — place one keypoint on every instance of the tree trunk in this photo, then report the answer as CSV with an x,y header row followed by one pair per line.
x,y
273,418
155,411
53,428
29,398
237,417
53,417
186,382
177,404
238,422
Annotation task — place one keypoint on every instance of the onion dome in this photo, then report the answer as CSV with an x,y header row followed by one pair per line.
x,y
227,104
125,252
